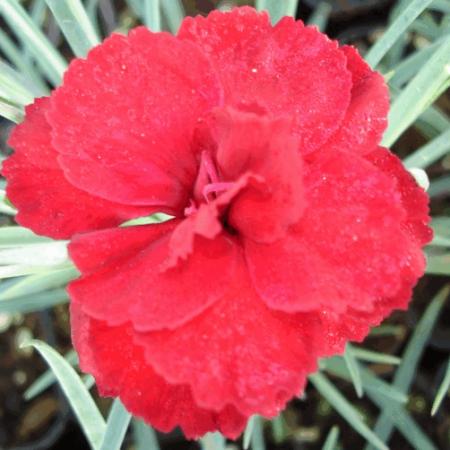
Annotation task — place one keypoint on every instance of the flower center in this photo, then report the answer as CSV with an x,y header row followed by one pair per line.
x,y
207,185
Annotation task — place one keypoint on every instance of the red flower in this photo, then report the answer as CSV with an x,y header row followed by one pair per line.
x,y
293,231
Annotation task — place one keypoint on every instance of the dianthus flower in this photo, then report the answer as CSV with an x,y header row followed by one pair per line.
x,y
293,231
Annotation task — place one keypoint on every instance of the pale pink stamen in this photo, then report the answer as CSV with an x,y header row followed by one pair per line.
x,y
210,168
215,188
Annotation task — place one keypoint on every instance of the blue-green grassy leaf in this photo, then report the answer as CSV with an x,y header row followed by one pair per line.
x,y
411,357
440,241
438,264
42,254
331,441
84,407
442,391
152,14
11,112
336,366
116,426
427,27
137,7
353,370
75,25
257,440
212,441
387,330
144,436
320,15
14,236
432,122
35,284
278,9
16,57
375,357
395,31
92,13
420,92
441,226
48,58
36,302
13,88
5,206
439,186
345,409
173,13
441,5
279,429
410,65
248,432
430,152
20,270
45,380
405,424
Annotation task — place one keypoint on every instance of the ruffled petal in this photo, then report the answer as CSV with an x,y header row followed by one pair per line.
x,y
157,297
254,144
348,250
414,199
119,367
238,352
366,118
47,202
124,118
288,69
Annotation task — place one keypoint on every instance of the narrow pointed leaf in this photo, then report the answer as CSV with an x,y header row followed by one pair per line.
x,y
419,93
430,152
411,357
75,25
173,13
345,409
332,439
353,369
116,427
442,391
44,381
33,303
50,61
144,436
80,400
395,31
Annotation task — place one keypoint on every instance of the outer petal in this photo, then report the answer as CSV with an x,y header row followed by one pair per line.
x,y
289,68
238,352
366,117
136,285
123,119
121,370
250,143
415,200
47,202
348,250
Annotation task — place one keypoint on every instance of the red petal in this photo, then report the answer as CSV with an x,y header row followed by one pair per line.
x,y
124,118
415,199
47,202
348,250
238,352
288,69
366,117
156,297
263,210
120,369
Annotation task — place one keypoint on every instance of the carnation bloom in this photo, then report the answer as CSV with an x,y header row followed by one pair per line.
x,y
293,232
